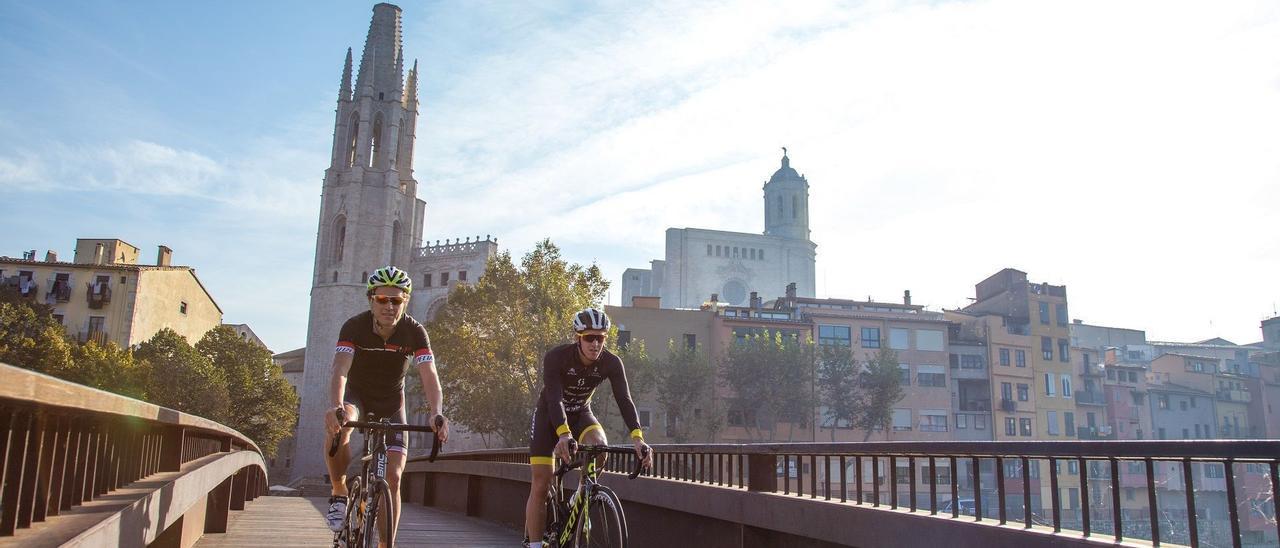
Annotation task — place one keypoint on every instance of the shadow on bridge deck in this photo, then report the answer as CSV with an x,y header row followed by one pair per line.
x,y
280,522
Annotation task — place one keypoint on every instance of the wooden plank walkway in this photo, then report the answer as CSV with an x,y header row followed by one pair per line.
x,y
280,522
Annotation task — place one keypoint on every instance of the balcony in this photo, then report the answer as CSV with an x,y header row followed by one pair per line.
x,y
23,286
1007,405
1095,433
1241,396
96,335
1084,397
99,294
975,405
60,292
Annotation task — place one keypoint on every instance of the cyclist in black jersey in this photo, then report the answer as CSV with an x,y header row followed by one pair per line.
x,y
570,375
374,351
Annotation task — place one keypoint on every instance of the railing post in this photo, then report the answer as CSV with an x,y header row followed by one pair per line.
x,y
171,448
239,487
762,473
15,457
218,507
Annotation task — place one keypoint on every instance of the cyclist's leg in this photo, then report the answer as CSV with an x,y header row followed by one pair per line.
x,y
338,463
591,433
397,456
542,444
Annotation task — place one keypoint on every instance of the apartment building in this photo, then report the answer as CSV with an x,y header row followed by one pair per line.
x,y
104,294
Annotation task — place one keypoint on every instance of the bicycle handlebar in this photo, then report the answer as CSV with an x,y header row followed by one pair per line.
x,y
365,425
588,450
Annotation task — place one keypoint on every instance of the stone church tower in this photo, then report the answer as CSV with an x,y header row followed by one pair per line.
x,y
786,203
370,215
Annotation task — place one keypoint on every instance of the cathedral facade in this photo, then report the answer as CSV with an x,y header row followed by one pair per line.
x,y
700,263
371,216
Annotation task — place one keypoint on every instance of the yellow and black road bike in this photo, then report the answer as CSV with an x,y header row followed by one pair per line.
x,y
592,516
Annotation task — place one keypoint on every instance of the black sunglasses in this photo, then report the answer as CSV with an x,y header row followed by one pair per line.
x,y
594,338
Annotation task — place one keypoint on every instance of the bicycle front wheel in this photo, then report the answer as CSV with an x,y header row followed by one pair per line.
x,y
353,526
605,526
379,502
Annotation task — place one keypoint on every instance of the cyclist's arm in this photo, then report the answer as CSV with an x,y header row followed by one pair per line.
x,y
430,382
553,396
338,382
626,406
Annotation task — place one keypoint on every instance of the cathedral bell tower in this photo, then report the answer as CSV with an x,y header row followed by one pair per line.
x,y
786,203
370,215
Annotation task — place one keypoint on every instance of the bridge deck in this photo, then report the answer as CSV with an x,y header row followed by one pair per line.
x,y
280,522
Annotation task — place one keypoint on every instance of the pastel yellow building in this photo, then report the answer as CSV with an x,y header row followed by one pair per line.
x,y
103,294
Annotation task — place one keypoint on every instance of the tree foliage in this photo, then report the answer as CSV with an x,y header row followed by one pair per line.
x,y
31,338
685,390
839,387
181,378
490,337
879,387
109,368
771,375
263,406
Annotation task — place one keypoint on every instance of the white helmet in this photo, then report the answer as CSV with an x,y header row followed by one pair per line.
x,y
590,318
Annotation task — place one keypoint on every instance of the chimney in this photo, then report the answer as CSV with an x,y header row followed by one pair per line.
x,y
163,256
645,301
755,301
97,253
906,297
715,298
51,256
791,291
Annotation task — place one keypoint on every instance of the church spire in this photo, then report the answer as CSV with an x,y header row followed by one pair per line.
x,y
344,94
381,66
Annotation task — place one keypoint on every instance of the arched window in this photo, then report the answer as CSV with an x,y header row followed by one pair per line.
x,y
353,135
339,237
335,276
375,142
401,143
779,201
795,205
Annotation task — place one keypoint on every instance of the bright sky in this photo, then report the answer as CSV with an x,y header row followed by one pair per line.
x,y
1130,150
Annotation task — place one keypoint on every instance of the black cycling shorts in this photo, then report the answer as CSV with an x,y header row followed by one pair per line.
x,y
395,440
543,438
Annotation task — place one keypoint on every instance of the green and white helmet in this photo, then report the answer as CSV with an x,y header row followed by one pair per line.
x,y
390,276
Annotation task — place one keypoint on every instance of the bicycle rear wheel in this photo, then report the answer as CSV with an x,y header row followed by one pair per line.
x,y
605,526
353,525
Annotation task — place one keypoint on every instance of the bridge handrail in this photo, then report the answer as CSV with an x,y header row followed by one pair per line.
x,y
1003,474
63,445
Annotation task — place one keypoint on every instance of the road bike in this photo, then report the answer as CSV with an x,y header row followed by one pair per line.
x,y
592,515
367,493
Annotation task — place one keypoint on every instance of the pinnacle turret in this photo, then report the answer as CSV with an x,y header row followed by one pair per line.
x,y
344,94
410,98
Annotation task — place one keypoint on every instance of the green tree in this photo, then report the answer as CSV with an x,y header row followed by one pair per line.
x,y
685,389
263,405
879,388
181,378
839,387
109,368
30,337
770,374
490,337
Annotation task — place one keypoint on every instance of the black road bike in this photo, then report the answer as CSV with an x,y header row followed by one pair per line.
x,y
367,494
592,515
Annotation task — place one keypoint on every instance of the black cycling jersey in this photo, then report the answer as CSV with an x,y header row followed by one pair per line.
x,y
568,386
378,366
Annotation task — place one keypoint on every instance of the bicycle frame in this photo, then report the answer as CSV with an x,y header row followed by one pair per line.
x,y
373,472
577,518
